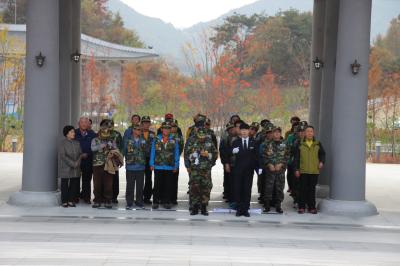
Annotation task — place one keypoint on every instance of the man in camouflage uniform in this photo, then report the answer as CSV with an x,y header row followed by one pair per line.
x,y
225,155
181,143
275,157
102,180
149,136
264,138
164,160
293,141
135,152
200,156
116,136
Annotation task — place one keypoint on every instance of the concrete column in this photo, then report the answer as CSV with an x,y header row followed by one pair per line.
x,y
327,88
317,46
41,107
76,67
347,185
65,63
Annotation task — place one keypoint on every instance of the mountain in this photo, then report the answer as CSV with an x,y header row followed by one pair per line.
x,y
168,41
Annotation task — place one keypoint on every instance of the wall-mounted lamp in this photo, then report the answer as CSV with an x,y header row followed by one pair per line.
x,y
318,64
76,57
355,67
40,59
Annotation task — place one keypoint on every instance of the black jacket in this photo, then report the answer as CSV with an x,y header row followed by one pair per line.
x,y
245,158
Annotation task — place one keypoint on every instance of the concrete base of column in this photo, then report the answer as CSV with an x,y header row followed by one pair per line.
x,y
35,199
347,208
322,191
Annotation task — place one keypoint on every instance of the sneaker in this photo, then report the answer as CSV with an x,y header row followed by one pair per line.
x,y
266,210
301,211
65,205
96,205
313,211
128,207
139,205
194,211
154,207
71,204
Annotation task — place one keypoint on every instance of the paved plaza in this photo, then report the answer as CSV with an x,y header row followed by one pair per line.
x,y
86,236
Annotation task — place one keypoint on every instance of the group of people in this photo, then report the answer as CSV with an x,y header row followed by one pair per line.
x,y
244,149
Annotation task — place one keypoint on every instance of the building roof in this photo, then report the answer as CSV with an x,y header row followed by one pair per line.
x,y
99,49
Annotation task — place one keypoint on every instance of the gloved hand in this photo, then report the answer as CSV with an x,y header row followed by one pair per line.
x,y
196,161
260,171
235,150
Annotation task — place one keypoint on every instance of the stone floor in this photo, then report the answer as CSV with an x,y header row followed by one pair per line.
x,y
86,236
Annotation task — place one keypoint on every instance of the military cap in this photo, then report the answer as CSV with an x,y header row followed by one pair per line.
x,y
169,116
269,127
166,125
303,123
229,126
106,123
146,118
208,121
136,126
277,129
264,122
255,125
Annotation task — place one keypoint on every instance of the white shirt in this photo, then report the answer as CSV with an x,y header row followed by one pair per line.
x,y
245,143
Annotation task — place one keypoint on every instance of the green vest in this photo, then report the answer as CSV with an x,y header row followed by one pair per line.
x,y
136,154
165,153
309,161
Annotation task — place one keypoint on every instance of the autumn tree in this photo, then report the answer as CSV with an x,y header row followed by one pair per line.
x,y
12,82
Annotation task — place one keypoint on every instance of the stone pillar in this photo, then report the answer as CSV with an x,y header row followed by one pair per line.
x,y
317,46
76,67
327,88
65,63
347,185
41,107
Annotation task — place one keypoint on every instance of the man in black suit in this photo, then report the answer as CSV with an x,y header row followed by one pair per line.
x,y
245,156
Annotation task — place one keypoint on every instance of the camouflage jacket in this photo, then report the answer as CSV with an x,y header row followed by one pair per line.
x,y
99,153
164,156
117,137
149,141
275,152
192,156
180,140
135,153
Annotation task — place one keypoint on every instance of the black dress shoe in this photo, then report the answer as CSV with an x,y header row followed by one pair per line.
x,y
204,210
246,214
194,211
238,213
147,201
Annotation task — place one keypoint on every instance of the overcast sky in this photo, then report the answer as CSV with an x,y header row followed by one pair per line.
x,y
194,11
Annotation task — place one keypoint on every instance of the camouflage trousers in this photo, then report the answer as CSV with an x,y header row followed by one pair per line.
x,y
274,180
200,185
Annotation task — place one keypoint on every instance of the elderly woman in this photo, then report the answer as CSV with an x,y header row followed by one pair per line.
x,y
70,156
